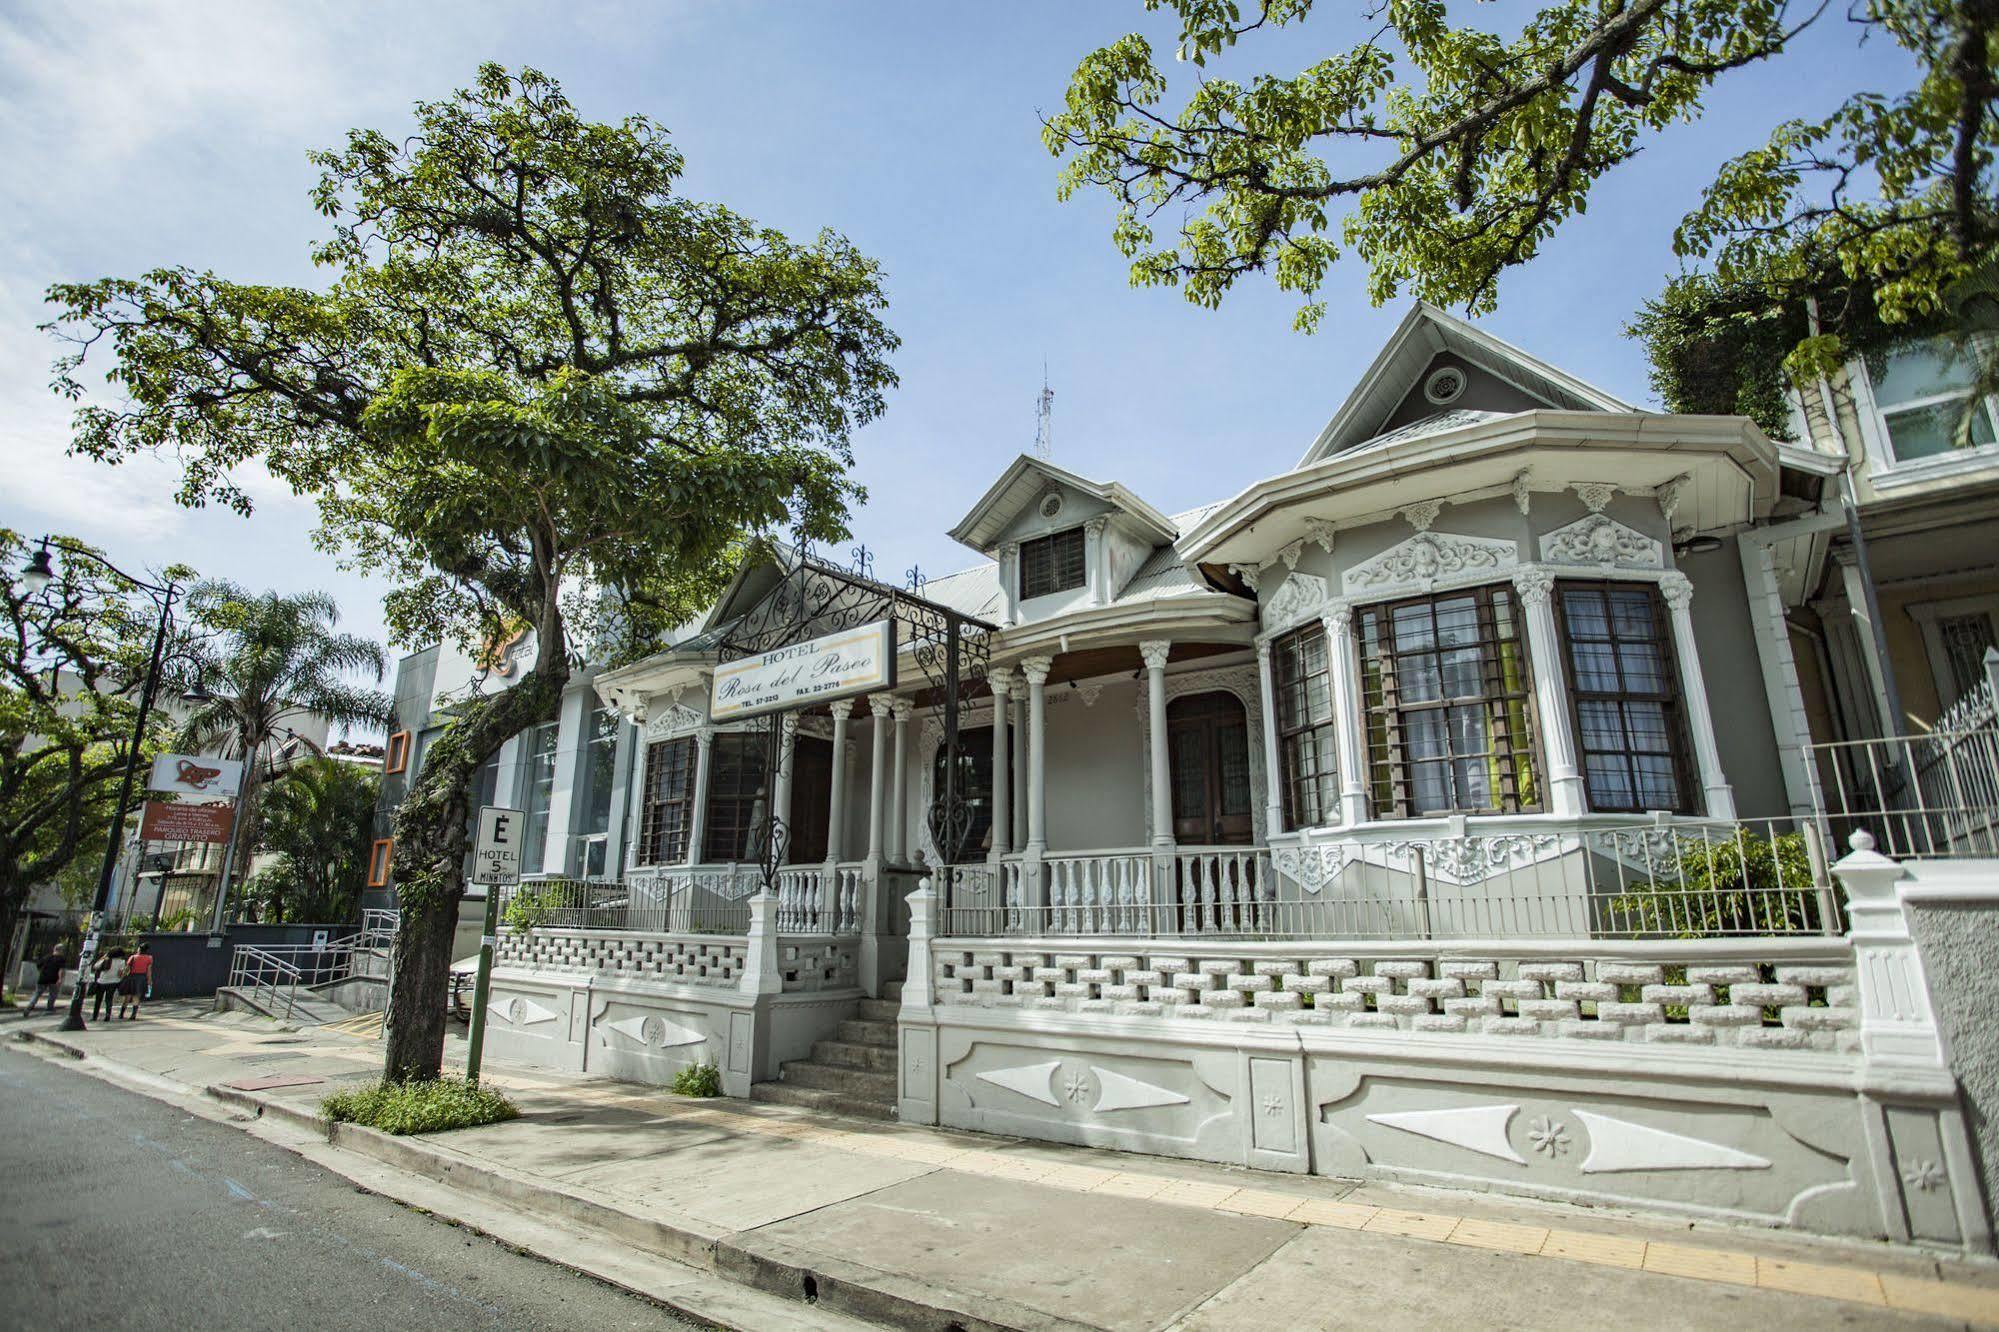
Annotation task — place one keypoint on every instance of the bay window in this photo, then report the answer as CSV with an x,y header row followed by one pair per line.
x,y
666,802
1624,695
1301,669
1445,690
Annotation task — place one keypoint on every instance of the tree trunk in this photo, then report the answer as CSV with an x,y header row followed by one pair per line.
x,y
428,861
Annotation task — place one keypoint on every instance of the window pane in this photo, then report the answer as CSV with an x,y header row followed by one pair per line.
x,y
1966,638
1051,563
1626,698
540,763
1925,432
1919,372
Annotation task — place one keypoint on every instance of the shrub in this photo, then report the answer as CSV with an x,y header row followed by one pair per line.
x,y
419,1107
529,907
1733,885
697,1080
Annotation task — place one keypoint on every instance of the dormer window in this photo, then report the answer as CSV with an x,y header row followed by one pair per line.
x,y
1051,564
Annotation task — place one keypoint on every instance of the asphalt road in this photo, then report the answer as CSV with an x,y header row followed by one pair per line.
x,y
117,1211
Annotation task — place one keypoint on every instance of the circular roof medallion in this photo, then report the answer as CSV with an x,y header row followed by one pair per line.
x,y
1445,385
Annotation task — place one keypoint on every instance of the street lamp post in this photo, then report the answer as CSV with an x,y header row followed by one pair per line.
x,y
37,575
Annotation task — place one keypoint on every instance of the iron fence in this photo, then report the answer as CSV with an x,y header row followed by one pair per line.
x,y
695,901
1927,797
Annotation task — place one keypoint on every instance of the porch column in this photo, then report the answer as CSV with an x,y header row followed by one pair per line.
x,y
1035,671
1009,576
898,817
1001,680
1273,769
780,797
836,805
1018,772
880,706
1678,590
697,823
1343,662
1551,691
1155,653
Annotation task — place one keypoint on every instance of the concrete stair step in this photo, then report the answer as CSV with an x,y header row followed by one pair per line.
x,y
845,1054
892,990
859,1032
812,1098
880,1010
847,1081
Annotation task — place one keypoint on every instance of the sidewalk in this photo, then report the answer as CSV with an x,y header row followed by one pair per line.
x,y
918,1227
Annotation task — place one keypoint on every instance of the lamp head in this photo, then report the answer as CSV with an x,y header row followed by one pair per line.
x,y
38,572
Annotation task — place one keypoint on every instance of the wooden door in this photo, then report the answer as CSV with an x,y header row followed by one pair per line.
x,y
1208,762
811,797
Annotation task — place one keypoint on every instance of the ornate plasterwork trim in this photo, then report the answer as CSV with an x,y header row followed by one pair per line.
x,y
1245,682
1602,542
1298,598
1459,861
675,720
1429,558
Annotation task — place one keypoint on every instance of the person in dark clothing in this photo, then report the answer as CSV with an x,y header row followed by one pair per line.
x,y
48,975
108,977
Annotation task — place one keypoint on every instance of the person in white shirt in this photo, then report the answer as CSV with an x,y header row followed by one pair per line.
x,y
105,979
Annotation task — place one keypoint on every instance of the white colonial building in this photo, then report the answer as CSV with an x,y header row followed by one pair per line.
x,y
1351,823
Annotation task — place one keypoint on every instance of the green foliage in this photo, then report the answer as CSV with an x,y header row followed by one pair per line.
x,y
72,663
1736,885
429,1106
541,388
697,1080
319,823
528,908
1443,155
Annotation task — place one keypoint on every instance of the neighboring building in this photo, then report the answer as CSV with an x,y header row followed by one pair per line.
x,y
1419,770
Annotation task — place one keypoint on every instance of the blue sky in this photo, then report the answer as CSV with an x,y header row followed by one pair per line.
x,y
147,132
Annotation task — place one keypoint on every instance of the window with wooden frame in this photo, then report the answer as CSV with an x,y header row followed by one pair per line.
x,y
1446,690
379,856
397,757
1051,564
736,807
1625,697
1307,741
666,802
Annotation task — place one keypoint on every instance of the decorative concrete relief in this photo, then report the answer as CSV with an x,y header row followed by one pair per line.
x,y
673,721
1477,1128
1034,1081
1310,867
1297,598
1618,1144
1600,541
820,964
1767,1007
523,1012
1428,558
1468,860
653,1030
673,959
1118,1092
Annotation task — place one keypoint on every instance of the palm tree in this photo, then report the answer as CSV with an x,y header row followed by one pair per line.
x,y
270,660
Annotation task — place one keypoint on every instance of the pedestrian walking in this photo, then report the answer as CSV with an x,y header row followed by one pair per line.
x,y
48,976
105,982
138,982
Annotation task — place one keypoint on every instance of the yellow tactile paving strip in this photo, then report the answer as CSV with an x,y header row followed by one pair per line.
x,y
1927,1295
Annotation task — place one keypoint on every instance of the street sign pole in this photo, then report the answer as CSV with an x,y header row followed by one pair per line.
x,y
496,860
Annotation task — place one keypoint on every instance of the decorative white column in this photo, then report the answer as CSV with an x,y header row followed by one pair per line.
x,y
836,805
1155,653
1896,1021
697,821
881,706
1534,586
1001,680
1019,771
1035,671
898,814
780,798
1273,768
1343,665
1095,564
1678,590
1009,576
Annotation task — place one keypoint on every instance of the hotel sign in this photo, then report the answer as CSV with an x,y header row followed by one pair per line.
x,y
841,665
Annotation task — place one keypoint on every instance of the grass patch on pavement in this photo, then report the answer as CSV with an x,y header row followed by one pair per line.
x,y
419,1107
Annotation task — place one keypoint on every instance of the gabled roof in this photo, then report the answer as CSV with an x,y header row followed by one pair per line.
x,y
1028,477
1398,368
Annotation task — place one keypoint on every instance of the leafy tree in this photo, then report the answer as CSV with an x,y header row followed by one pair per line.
x,y
542,389
1456,153
72,660
268,660
319,824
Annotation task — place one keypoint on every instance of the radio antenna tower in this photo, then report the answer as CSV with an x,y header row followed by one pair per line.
x,y
1044,418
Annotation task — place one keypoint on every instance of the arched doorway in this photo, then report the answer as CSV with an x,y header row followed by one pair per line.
x,y
1208,754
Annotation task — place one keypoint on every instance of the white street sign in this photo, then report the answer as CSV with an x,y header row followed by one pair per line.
x,y
496,857
842,665
196,775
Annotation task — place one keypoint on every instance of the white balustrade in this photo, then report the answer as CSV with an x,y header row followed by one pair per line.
x,y
799,905
849,883
1109,892
1224,889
